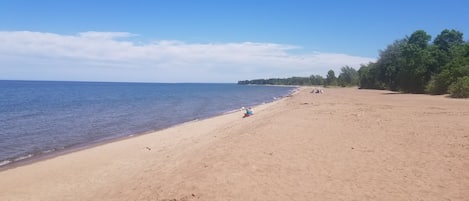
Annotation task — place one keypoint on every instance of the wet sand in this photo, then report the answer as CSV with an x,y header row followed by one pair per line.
x,y
345,144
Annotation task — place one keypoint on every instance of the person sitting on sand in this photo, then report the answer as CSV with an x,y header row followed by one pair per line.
x,y
248,112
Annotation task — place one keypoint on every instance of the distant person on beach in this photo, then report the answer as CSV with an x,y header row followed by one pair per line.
x,y
317,91
248,112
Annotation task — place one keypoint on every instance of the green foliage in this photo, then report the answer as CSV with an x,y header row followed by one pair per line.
x,y
414,65
348,77
419,38
448,39
386,69
331,80
312,80
366,78
460,88
415,71
447,46
456,68
411,64
439,83
317,80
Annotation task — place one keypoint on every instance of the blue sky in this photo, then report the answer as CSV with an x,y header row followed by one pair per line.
x,y
206,41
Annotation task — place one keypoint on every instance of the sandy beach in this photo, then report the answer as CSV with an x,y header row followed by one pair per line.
x,y
345,144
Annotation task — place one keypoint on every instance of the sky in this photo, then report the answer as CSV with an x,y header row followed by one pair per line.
x,y
209,41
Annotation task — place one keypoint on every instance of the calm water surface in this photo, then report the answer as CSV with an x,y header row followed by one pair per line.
x,y
38,117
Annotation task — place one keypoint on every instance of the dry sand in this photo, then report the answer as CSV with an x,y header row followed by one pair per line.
x,y
346,144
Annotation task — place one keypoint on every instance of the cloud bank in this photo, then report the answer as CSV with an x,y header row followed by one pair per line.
x,y
115,56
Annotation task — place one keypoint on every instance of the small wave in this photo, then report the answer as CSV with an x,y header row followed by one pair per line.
x,y
5,162
233,111
48,151
23,157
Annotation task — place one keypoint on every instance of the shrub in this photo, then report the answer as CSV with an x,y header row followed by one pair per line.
x,y
439,83
460,88
431,87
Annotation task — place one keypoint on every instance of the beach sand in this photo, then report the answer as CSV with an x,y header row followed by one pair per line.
x,y
345,144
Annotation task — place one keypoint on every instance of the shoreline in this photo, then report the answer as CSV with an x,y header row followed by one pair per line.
x,y
345,144
50,154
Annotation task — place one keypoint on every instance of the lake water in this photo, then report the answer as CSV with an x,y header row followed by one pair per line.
x,y
41,117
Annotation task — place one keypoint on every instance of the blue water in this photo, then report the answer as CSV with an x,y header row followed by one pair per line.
x,y
39,117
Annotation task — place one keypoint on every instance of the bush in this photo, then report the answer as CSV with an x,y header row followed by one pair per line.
x,y
439,83
460,88
431,87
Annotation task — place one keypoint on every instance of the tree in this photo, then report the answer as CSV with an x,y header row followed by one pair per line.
x,y
460,88
348,77
366,79
331,80
415,72
456,68
448,39
445,47
419,38
416,66
316,80
389,65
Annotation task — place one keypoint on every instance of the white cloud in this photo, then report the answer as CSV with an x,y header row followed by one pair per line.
x,y
112,56
105,35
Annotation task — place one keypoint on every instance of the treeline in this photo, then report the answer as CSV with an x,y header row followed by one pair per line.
x,y
347,77
312,80
416,65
